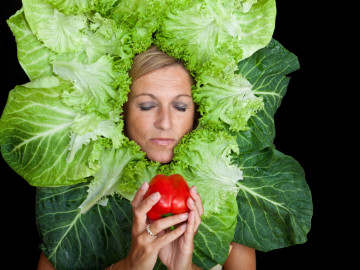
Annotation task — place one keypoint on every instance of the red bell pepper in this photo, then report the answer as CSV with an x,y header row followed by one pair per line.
x,y
174,194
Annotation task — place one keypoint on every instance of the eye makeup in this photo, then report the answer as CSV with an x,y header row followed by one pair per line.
x,y
146,106
180,106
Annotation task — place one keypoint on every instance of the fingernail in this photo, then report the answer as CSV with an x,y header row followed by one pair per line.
x,y
194,188
191,201
155,196
144,186
184,216
183,227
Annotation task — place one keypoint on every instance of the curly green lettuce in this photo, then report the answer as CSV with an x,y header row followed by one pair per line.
x,y
211,37
204,159
231,103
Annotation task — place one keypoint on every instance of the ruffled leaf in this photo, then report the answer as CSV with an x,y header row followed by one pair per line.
x,y
59,32
204,159
71,6
92,82
112,164
231,103
211,37
87,128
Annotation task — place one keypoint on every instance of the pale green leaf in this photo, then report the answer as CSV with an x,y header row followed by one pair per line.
x,y
32,54
35,135
59,32
112,164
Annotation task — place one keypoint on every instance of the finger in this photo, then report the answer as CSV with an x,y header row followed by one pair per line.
x,y
170,236
191,205
230,248
139,213
197,199
164,223
140,194
190,231
147,204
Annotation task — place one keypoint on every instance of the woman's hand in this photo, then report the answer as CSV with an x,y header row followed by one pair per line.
x,y
178,253
145,248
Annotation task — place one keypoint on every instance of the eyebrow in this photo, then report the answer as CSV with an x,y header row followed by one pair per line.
x,y
154,97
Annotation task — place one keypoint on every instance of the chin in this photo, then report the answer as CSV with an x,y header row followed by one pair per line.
x,y
161,157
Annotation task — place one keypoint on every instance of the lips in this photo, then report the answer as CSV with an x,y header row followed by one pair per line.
x,y
162,141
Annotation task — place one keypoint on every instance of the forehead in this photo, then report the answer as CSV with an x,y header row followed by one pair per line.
x,y
172,80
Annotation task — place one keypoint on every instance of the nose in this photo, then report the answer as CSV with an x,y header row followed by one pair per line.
x,y
163,119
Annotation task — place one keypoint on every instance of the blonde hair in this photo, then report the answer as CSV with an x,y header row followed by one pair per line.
x,y
151,60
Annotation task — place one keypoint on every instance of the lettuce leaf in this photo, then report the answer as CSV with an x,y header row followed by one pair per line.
x,y
71,6
58,31
204,159
106,37
112,163
142,18
135,174
211,37
83,6
87,128
231,103
92,83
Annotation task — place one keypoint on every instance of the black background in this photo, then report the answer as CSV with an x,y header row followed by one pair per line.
x,y
300,125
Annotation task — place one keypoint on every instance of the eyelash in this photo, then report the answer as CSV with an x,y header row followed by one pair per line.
x,y
181,108
148,108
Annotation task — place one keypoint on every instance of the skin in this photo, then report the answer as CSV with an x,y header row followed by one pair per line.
x,y
159,112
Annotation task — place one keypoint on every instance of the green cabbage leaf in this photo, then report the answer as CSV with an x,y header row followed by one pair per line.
x,y
35,133
274,192
99,237
32,54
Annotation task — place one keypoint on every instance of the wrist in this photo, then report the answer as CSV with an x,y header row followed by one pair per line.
x,y
119,265
190,267
195,267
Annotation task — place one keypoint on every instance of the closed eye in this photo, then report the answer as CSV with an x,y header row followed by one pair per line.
x,y
146,108
181,107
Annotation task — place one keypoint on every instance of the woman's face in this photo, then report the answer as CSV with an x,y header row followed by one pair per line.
x,y
160,111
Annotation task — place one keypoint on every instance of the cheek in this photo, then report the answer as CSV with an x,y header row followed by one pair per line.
x,y
187,123
134,127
